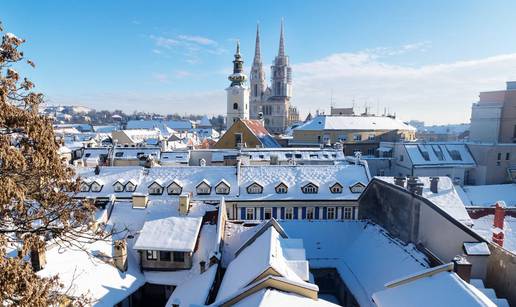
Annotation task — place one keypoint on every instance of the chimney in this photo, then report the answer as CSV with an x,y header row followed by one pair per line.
x,y
434,184
399,181
120,255
202,265
184,203
462,267
411,183
38,258
498,224
418,188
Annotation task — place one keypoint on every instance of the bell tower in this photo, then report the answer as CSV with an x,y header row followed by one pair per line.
x,y
237,92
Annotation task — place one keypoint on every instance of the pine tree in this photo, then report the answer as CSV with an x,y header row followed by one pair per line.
x,y
35,188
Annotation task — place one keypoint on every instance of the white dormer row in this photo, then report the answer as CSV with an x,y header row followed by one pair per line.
x,y
121,186
307,188
93,186
176,188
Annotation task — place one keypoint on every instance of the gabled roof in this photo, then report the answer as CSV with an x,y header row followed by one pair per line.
x,y
159,182
203,181
262,228
223,181
257,128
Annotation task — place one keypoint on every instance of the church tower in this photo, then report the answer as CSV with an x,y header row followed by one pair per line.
x,y
257,80
281,71
237,92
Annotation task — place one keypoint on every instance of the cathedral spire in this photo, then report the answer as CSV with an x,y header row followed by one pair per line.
x,y
281,52
257,53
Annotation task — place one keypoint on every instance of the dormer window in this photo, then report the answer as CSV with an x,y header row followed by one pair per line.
x,y
203,188
358,187
174,188
336,188
96,186
310,188
155,188
118,186
130,186
222,187
85,187
281,188
254,188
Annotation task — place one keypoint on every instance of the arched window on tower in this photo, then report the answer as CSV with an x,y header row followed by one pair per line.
x,y
255,90
235,106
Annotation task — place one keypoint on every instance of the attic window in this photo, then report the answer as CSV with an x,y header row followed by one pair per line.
x,y
455,155
155,189
310,188
87,155
174,188
119,154
254,188
288,155
281,188
96,187
357,187
336,188
203,188
222,188
130,187
297,156
119,187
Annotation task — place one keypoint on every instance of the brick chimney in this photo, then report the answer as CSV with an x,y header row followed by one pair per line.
x,y
120,255
498,223
434,184
462,267
399,181
38,258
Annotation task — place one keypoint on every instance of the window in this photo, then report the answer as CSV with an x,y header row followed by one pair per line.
x,y
222,188
85,187
336,188
401,158
152,255
254,188
255,90
235,106
238,138
371,137
357,137
249,213
289,213
155,189
119,187
310,213
179,257
87,155
267,213
343,137
119,154
95,187
203,188
310,188
507,156
348,213
499,156
371,151
281,188
358,187
174,189
130,187
164,256
297,156
330,213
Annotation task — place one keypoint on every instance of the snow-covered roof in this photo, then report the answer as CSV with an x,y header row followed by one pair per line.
x,y
296,176
195,290
428,154
296,154
447,197
257,128
488,195
169,234
188,176
364,254
441,289
122,153
152,124
334,122
272,297
484,227
269,250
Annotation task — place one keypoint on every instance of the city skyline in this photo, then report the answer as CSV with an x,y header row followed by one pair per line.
x,y
414,59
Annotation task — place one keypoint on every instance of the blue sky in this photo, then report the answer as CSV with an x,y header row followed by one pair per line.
x,y
423,60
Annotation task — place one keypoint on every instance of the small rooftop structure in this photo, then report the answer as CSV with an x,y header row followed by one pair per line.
x,y
169,234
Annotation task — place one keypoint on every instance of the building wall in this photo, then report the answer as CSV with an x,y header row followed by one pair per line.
x,y
491,170
508,120
240,96
236,210
485,123
501,273
334,136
